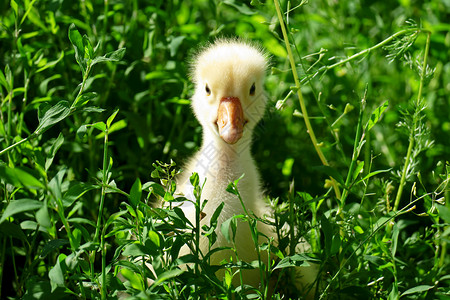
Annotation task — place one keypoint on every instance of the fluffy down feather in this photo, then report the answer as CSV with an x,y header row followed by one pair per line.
x,y
229,101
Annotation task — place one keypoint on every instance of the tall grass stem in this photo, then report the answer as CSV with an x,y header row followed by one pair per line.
x,y
301,100
413,129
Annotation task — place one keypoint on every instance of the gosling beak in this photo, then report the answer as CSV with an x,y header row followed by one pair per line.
x,y
230,119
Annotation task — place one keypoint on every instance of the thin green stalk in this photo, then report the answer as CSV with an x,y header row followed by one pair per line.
x,y
83,84
300,98
99,219
10,112
197,232
253,230
16,144
104,186
356,151
60,210
103,250
292,219
368,50
412,132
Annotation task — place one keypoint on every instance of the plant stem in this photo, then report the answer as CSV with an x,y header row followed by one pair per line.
x,y
104,186
356,151
252,223
301,100
292,224
368,50
16,144
412,132
103,250
99,218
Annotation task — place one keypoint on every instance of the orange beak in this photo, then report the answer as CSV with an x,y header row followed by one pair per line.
x,y
230,119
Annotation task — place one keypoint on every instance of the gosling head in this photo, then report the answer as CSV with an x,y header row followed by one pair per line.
x,y
229,97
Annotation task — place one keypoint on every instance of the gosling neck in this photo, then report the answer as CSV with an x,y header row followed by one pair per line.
x,y
212,143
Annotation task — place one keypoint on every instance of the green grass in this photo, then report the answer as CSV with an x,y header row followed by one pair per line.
x,y
353,150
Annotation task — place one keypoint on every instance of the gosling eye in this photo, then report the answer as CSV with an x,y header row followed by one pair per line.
x,y
252,90
208,90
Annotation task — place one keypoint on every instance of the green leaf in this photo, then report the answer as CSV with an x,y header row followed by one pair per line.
x,y
417,289
54,148
154,238
52,63
155,188
13,230
113,56
29,6
75,192
232,186
114,127
287,167
3,81
51,246
56,274
135,193
168,275
376,115
178,217
296,260
231,223
111,118
168,197
155,174
100,126
194,179
88,50
52,116
43,217
9,78
216,214
18,206
134,250
394,239
94,109
77,41
81,132
335,244
83,99
358,170
243,8
444,212
371,174
111,219
393,295
15,7
20,177
174,44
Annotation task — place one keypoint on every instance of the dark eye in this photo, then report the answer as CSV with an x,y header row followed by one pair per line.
x,y
208,91
252,90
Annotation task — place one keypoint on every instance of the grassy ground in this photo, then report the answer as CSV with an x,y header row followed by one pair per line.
x,y
94,93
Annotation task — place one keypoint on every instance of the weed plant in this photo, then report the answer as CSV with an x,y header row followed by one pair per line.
x,y
94,114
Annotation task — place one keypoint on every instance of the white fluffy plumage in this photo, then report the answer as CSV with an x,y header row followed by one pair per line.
x,y
229,101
